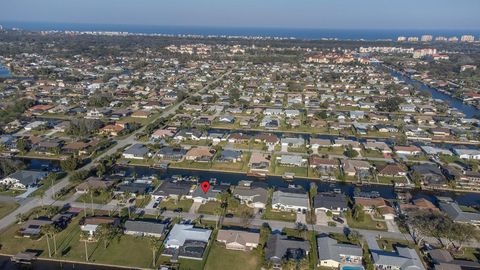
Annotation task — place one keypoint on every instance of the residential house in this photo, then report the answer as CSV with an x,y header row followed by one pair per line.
x,y
259,163
23,179
230,156
90,224
170,189
238,240
93,183
292,160
403,258
290,199
252,194
171,153
382,206
453,210
355,167
200,154
136,151
336,203
407,150
333,254
187,241
280,247
144,228
429,175
467,153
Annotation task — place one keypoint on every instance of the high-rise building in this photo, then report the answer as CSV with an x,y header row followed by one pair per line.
x,y
453,39
467,38
401,39
440,38
412,39
426,38
424,52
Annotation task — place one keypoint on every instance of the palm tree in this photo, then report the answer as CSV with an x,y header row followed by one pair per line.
x,y
103,232
51,231
84,236
155,246
46,230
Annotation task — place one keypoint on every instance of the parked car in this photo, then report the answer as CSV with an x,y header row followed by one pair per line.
x,y
229,215
339,220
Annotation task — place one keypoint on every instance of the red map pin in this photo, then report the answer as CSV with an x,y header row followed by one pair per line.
x,y
205,185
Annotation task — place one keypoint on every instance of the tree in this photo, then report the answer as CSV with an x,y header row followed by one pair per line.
x,y
103,232
155,246
246,216
84,236
463,234
350,152
313,190
46,230
358,213
355,237
22,145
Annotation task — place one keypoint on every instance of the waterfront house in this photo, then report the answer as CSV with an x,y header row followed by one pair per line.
x,y
90,224
453,210
163,133
23,179
280,248
353,167
136,151
418,205
175,190
230,156
200,154
238,240
467,153
291,160
187,241
335,203
333,254
171,153
259,163
290,199
429,175
199,196
380,205
144,228
407,150
393,170
93,183
252,194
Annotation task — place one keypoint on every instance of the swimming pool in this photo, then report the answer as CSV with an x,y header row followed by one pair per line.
x,y
352,267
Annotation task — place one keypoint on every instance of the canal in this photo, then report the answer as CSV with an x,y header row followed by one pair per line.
x,y
468,110
4,72
386,191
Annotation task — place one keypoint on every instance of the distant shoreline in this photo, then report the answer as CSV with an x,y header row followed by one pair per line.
x,y
241,32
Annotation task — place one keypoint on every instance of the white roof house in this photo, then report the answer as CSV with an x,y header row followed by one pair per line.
x,y
182,232
291,199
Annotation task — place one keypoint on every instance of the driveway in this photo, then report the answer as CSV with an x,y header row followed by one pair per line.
x,y
301,218
194,207
392,226
322,218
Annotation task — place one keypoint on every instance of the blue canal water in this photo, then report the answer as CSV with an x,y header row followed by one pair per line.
x,y
468,110
4,72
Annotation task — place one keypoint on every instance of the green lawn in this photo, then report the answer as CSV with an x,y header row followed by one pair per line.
x,y
467,253
219,257
367,223
12,192
100,198
389,244
191,164
209,208
7,208
172,204
279,215
142,201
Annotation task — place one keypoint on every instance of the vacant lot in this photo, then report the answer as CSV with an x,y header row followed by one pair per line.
x,y
219,257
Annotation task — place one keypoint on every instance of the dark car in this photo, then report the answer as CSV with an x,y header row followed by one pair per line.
x,y
339,220
178,210
229,215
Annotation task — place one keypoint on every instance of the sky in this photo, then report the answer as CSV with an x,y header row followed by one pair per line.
x,y
315,14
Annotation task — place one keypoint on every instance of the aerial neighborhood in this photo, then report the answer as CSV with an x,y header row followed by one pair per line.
x,y
169,152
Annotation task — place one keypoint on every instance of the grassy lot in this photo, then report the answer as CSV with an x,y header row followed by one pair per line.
x,y
192,164
237,209
372,153
237,260
279,215
100,198
368,223
331,150
7,208
172,204
12,192
142,201
467,253
298,171
389,244
209,208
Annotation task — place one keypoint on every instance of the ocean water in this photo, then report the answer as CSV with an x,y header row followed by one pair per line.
x,y
344,34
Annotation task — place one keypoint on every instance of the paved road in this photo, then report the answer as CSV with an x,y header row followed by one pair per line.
x,y
27,204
